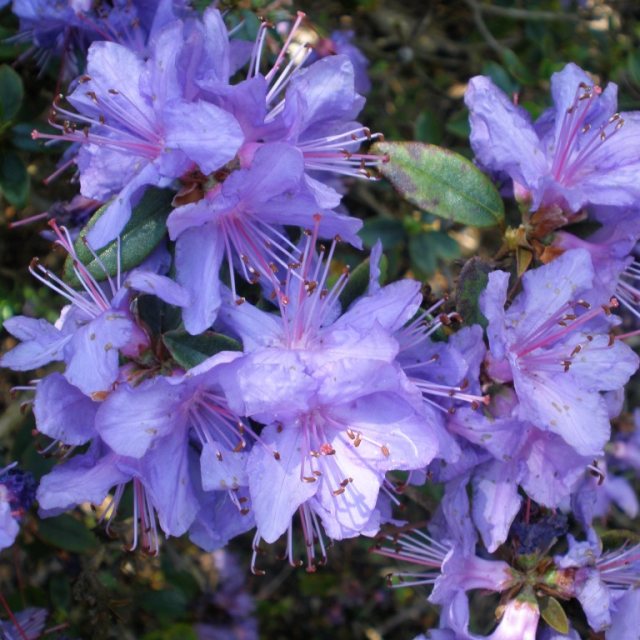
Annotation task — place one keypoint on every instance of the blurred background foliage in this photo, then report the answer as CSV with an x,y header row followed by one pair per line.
x,y
422,54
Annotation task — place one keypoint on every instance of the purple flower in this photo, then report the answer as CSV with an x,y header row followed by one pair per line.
x,y
602,582
556,349
241,222
337,411
341,43
616,271
93,329
140,129
24,625
17,492
579,152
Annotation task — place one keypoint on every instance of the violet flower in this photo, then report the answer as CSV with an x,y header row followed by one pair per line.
x,y
556,349
579,152
337,412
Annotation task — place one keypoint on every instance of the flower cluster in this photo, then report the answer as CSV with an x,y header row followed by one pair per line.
x,y
278,394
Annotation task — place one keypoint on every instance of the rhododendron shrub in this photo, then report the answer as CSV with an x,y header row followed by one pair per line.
x,y
218,370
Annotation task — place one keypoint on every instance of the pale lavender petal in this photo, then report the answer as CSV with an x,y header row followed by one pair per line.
x,y
205,133
63,412
199,253
131,419
276,486
157,285
502,135
92,352
495,502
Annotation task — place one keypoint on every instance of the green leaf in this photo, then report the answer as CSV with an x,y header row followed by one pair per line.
x,y
142,234
357,284
179,631
500,76
388,230
166,605
442,182
553,614
189,351
471,283
14,179
427,128
11,93
633,66
65,532
458,124
426,249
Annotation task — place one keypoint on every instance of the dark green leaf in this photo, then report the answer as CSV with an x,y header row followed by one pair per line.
x,y
516,68
500,76
553,614
159,316
357,284
472,282
142,234
11,93
60,591
179,631
633,66
458,124
442,182
166,605
189,351
427,128
65,532
426,249
388,230
14,179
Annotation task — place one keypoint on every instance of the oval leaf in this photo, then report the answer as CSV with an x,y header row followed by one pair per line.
x,y
65,532
11,93
442,182
553,614
14,179
189,351
138,239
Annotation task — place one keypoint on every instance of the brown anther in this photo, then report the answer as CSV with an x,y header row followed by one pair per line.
x,y
240,300
327,450
313,453
310,286
444,319
451,410
101,119
619,124
239,447
584,303
464,384
590,338
276,455
577,349
357,441
219,456
114,92
279,428
337,492
317,473
566,364
385,451
351,434
603,136
570,316
613,303
308,479
586,128
93,96
244,511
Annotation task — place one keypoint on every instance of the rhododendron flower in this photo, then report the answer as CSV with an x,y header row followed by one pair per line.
x,y
581,151
556,349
